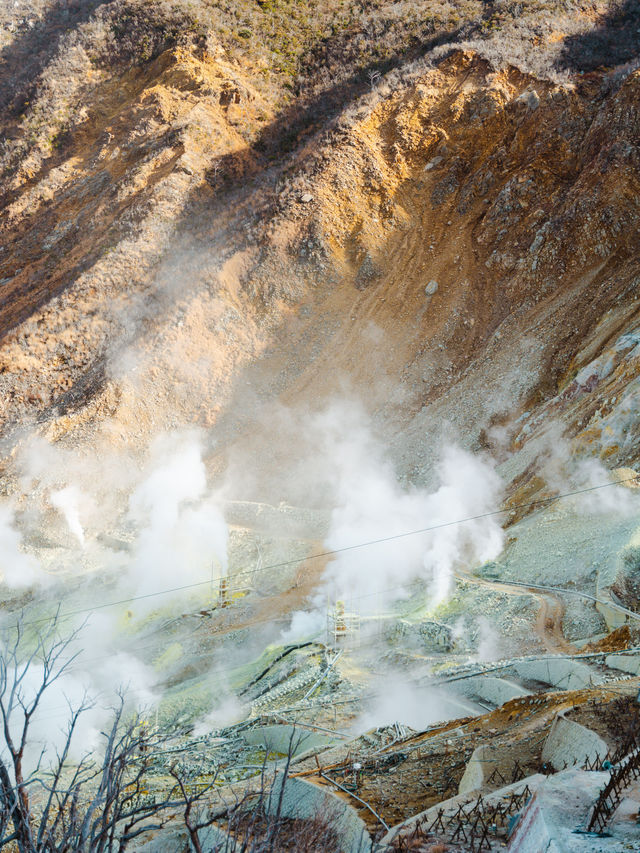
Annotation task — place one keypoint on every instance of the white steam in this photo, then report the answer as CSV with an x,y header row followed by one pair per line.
x,y
304,625
170,534
489,647
386,534
565,472
80,686
181,530
67,501
107,663
17,568
228,711
49,724
372,506
397,699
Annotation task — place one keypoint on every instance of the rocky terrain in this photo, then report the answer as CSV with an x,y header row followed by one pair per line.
x,y
283,281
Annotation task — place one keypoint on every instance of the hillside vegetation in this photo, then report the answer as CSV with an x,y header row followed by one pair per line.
x,y
139,133
282,280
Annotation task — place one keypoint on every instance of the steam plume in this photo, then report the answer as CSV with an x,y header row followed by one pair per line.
x,y
66,501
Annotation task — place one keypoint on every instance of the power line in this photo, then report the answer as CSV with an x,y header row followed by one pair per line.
x,y
82,664
461,577
541,501
334,551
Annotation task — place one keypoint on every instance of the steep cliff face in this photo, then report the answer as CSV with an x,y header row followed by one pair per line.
x,y
84,231
267,271
518,199
457,244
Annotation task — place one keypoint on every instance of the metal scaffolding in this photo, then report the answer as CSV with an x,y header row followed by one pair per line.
x,y
343,626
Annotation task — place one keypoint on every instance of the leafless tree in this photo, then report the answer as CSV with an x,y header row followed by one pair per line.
x,y
257,821
54,802
373,77
61,805
17,709
197,813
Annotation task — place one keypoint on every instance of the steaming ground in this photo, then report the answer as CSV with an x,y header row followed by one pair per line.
x,y
101,536
395,360
265,386
169,530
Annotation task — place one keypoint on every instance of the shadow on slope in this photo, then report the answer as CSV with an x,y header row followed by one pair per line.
x,y
25,57
615,41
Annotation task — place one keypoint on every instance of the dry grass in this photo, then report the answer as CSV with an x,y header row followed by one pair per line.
x,y
308,58
298,48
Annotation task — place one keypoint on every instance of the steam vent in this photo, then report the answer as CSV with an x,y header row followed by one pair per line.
x,y
320,426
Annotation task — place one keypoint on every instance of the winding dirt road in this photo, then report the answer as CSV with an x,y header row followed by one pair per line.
x,y
548,624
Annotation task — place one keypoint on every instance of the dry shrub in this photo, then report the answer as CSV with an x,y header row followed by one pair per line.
x,y
316,56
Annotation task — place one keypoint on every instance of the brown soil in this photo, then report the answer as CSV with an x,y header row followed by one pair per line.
x,y
548,624
447,179
425,769
458,248
615,721
274,607
615,641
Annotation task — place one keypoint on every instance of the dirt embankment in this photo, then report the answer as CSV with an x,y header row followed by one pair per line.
x,y
459,245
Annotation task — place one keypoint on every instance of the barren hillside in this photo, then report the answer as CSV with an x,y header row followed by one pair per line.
x,y
283,280
157,201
